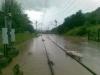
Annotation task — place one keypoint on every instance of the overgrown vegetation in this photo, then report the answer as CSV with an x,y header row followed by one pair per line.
x,y
81,24
22,37
20,21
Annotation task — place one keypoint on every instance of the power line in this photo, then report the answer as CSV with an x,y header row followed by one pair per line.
x,y
65,3
44,12
68,10
68,7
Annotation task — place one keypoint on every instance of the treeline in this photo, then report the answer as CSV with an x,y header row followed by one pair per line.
x,y
79,23
20,21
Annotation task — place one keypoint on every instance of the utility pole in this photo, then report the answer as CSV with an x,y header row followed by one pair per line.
x,y
8,25
41,29
6,29
56,23
9,22
36,25
8,34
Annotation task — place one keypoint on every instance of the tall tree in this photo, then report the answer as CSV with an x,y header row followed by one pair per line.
x,y
20,21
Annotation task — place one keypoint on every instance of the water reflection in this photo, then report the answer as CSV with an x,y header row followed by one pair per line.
x,y
32,57
89,50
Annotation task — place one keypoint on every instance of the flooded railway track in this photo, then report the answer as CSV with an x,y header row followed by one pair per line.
x,y
78,61
50,62
41,57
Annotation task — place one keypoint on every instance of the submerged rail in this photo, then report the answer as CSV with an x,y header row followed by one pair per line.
x,y
86,67
50,62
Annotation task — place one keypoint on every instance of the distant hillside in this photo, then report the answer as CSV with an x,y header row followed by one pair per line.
x,y
88,21
80,24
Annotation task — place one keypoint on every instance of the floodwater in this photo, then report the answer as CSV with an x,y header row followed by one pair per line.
x,y
90,50
33,60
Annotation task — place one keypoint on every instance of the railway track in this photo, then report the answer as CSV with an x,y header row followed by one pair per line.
x,y
64,50
50,62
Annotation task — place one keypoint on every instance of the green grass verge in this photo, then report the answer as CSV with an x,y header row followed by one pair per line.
x,y
82,30
22,37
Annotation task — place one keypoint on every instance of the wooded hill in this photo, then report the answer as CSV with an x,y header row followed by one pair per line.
x,y
80,24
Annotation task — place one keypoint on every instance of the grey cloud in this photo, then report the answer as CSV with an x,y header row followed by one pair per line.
x,y
33,4
38,4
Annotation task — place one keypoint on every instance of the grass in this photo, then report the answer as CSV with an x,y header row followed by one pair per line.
x,y
82,31
76,30
73,31
20,38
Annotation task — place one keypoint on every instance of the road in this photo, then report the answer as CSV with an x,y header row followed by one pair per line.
x,y
33,60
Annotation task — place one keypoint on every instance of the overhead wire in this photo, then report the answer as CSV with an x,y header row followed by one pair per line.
x,y
44,12
71,9
67,4
67,8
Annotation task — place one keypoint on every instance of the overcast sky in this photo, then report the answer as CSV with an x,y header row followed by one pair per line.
x,y
46,11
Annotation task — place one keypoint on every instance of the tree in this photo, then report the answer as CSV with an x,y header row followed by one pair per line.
x,y
20,21
75,20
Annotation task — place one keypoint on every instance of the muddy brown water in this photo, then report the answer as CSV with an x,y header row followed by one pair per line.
x,y
89,49
33,61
